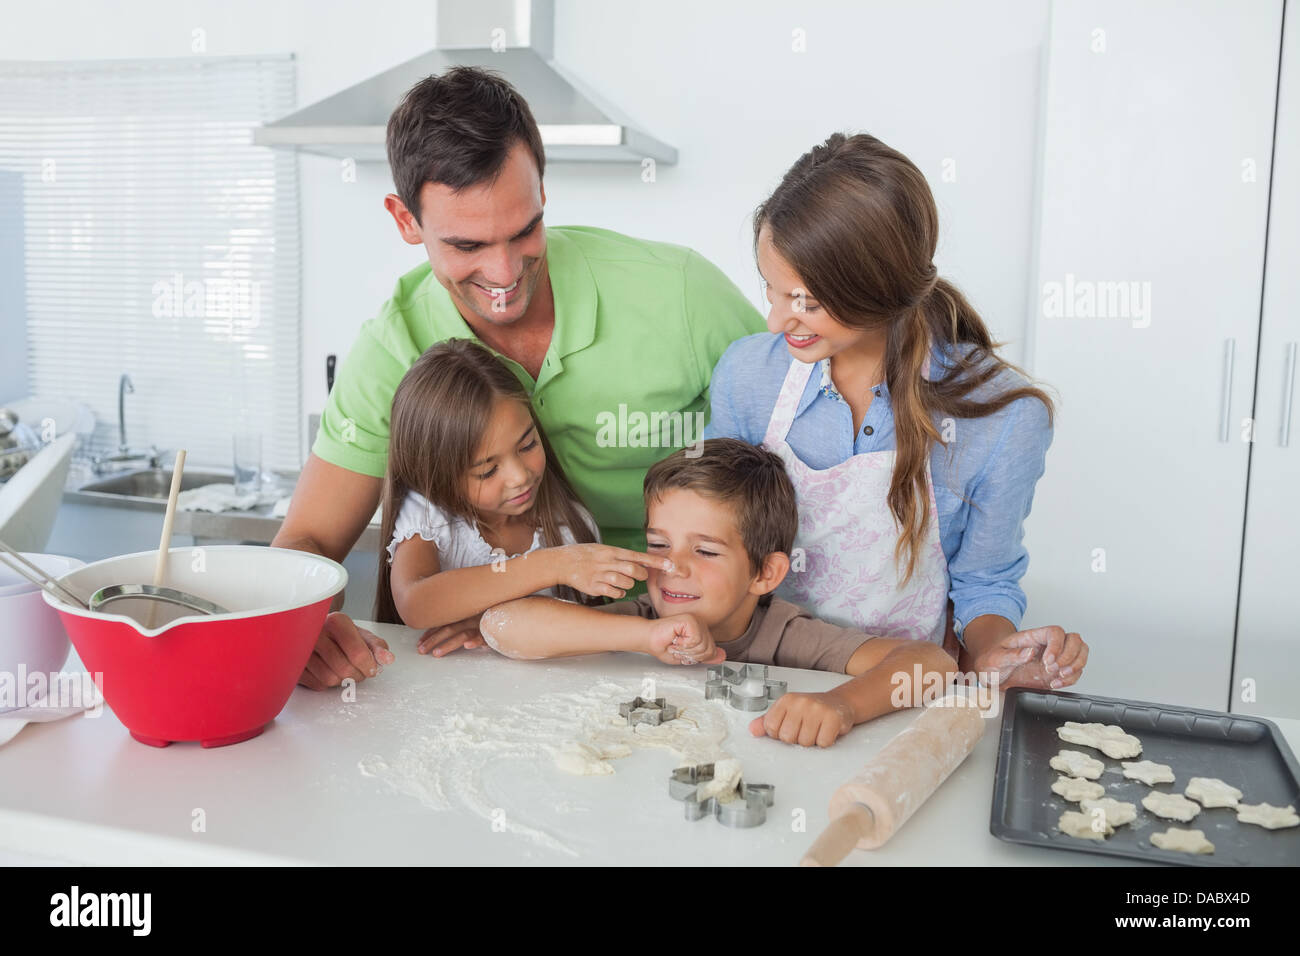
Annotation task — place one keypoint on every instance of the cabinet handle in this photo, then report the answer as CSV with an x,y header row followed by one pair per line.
x,y
1229,354
1288,390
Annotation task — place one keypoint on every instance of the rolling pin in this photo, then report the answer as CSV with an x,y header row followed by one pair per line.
x,y
869,808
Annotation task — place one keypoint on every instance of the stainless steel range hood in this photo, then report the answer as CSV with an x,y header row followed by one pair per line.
x,y
513,37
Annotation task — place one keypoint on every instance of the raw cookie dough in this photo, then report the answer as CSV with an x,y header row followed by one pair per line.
x,y
1171,806
1077,764
1149,772
1075,824
1267,816
1118,812
725,780
1184,841
1076,789
1212,792
1109,739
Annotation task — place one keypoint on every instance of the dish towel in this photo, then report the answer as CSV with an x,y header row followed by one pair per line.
x,y
221,497
281,509
12,721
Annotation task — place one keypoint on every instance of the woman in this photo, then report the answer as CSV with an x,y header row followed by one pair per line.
x,y
914,448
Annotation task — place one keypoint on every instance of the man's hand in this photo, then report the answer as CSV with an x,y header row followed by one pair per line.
x,y
441,641
344,650
805,719
1042,657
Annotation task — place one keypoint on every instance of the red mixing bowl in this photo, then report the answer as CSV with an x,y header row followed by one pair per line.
x,y
217,679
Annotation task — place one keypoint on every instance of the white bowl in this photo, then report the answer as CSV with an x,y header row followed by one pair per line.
x,y
55,565
32,637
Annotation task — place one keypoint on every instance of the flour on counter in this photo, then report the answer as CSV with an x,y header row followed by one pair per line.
x,y
578,732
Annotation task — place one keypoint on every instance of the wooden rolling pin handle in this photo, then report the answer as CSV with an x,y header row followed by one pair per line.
x,y
908,769
838,839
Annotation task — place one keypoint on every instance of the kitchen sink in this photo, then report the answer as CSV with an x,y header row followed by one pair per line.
x,y
151,483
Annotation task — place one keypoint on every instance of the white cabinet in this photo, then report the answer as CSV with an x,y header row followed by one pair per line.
x,y
1158,133
1268,636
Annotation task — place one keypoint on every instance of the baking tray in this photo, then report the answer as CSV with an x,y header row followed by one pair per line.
x,y
1247,752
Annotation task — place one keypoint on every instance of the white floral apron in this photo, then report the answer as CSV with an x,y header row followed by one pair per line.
x,y
847,535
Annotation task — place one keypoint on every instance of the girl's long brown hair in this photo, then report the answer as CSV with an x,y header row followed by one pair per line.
x,y
440,413
857,223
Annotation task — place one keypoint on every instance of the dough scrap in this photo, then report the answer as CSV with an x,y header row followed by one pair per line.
x,y
723,785
1108,738
1118,812
1149,772
1075,824
1171,806
1077,764
1212,792
1268,816
1076,789
1184,841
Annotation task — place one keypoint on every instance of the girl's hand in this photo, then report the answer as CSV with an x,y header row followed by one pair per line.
x,y
684,639
441,641
805,719
601,570
1042,657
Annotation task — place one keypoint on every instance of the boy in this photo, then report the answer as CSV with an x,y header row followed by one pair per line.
x,y
727,521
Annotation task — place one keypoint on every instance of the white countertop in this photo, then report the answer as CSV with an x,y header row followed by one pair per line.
x,y
81,790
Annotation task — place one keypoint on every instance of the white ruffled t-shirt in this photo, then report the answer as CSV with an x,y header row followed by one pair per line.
x,y
459,543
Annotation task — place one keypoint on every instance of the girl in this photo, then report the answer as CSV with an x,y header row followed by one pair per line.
x,y
476,510
878,374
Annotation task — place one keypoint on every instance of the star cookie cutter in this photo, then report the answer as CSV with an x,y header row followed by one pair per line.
x,y
748,809
746,687
640,710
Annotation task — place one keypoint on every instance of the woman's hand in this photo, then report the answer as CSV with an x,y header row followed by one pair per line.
x,y
602,570
684,639
1042,657
441,641
805,719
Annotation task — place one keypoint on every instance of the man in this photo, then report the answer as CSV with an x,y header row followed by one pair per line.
x,y
603,329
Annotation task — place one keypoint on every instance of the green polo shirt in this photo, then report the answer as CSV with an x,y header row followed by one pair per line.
x,y
639,326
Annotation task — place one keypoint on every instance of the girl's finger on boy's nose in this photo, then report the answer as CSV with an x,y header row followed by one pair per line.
x,y
631,569
656,561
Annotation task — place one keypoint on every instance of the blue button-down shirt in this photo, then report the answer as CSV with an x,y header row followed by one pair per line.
x,y
983,480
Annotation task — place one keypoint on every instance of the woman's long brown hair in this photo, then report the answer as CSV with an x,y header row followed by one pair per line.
x,y
857,223
440,413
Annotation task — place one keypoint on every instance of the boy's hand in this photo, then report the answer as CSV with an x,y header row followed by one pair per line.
x,y
684,639
805,719
1038,657
441,641
602,570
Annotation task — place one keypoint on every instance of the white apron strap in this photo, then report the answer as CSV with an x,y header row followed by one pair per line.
x,y
787,403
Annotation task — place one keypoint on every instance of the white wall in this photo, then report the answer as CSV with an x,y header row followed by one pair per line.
x,y
718,80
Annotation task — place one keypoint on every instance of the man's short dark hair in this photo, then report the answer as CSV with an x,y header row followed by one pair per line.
x,y
457,129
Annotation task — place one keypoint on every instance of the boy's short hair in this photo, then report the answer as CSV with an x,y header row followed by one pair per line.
x,y
748,478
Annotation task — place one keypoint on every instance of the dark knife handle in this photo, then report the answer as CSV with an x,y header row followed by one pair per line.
x,y
329,372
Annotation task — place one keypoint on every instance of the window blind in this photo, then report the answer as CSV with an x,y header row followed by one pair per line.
x,y
157,241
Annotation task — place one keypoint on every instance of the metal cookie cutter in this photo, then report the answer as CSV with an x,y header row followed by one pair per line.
x,y
749,809
746,687
638,710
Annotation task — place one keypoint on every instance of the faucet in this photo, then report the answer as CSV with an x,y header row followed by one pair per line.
x,y
124,385
124,453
